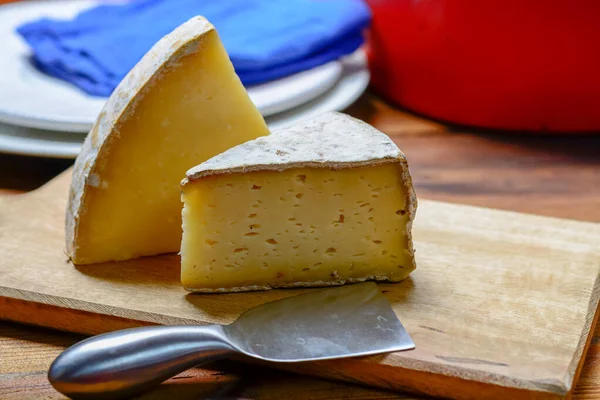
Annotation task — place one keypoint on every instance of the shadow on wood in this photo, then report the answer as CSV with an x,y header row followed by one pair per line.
x,y
159,270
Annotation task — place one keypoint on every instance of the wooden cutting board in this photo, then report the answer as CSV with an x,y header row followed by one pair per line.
x,y
500,306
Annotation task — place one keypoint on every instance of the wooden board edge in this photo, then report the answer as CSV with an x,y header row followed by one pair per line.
x,y
62,318
508,214
585,340
401,379
45,310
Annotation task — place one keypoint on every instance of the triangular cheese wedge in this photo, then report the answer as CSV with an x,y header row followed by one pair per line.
x,y
180,105
326,202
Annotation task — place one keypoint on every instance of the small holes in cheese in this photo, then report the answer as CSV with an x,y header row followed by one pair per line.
x,y
310,225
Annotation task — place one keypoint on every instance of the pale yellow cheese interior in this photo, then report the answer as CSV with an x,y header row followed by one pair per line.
x,y
195,109
310,225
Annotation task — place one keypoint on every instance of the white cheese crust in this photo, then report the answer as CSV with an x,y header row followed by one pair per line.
x,y
184,40
332,140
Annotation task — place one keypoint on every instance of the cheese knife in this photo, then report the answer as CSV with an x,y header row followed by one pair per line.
x,y
347,321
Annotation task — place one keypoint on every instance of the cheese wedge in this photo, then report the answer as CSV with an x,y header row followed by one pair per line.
x,y
326,202
180,105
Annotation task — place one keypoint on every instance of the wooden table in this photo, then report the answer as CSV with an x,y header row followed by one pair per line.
x,y
554,176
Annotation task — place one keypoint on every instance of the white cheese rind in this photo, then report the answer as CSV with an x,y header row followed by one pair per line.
x,y
183,41
333,140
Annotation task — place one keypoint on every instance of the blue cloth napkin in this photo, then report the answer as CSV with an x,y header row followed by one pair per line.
x,y
265,39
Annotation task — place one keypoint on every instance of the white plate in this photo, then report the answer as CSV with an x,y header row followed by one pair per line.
x,y
33,99
36,142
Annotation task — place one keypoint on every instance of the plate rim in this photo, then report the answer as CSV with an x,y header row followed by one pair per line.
x,y
356,79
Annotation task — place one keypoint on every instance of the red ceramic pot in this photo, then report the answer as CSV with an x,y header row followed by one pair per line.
x,y
529,65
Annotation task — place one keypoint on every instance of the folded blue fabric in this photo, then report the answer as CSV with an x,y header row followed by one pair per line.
x,y
265,39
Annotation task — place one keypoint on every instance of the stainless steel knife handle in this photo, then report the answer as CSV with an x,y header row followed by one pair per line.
x,y
127,362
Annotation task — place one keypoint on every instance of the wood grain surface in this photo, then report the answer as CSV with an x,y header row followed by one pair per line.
x,y
449,164
501,303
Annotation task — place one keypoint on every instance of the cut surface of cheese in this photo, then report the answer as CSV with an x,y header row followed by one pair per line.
x,y
179,106
325,202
